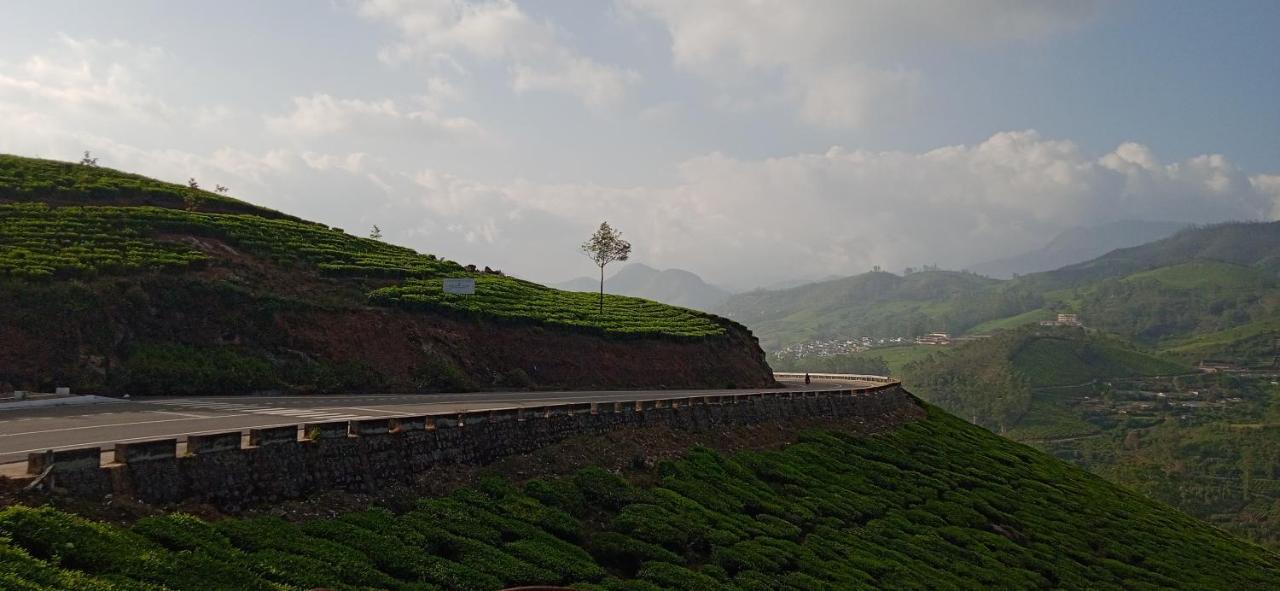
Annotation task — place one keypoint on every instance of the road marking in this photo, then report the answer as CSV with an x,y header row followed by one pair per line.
x,y
106,426
384,411
190,416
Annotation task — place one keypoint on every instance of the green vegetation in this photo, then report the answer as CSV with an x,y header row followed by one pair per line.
x,y
1170,302
36,180
935,504
856,364
992,380
877,305
1208,444
507,298
1015,321
1249,343
40,242
1049,359
881,361
1201,280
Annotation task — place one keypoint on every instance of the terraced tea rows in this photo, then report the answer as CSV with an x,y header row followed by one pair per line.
x,y
42,242
934,504
503,297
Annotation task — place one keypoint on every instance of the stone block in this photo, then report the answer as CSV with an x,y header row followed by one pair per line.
x,y
409,424
146,451
437,422
371,427
273,436
214,442
64,460
330,430
503,415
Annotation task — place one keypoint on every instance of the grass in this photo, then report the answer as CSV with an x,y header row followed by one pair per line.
x,y
935,504
1252,342
1015,321
42,243
37,180
1049,361
1207,274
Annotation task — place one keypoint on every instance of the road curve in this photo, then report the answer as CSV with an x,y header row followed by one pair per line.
x,y
23,431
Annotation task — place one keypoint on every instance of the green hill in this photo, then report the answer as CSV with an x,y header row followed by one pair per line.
x,y
1201,280
933,504
874,304
1050,361
993,381
1250,244
130,272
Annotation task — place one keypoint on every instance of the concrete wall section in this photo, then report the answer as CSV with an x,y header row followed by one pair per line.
x,y
278,464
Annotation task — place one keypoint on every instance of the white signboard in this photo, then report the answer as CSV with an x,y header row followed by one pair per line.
x,y
460,286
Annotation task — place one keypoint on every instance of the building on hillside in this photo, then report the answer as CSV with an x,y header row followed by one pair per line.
x,y
1063,320
934,338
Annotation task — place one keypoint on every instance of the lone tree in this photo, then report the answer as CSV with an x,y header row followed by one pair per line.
x,y
604,247
375,233
192,197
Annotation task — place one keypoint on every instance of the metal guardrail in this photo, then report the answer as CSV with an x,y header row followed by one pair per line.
x,y
789,376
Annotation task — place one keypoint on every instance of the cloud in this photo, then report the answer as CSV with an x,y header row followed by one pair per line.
x,y
839,61
322,115
90,79
439,32
750,222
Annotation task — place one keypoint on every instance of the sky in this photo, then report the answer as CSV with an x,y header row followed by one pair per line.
x,y
748,141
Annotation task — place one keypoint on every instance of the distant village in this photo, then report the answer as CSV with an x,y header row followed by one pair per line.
x,y
834,347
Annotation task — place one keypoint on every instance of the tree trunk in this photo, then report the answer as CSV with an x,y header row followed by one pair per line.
x,y
602,289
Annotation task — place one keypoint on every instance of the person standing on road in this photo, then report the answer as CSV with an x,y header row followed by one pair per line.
x,y
806,378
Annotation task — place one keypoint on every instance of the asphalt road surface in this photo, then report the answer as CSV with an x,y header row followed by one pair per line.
x,y
38,429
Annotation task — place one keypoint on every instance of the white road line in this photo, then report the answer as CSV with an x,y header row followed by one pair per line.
x,y
106,426
190,416
384,411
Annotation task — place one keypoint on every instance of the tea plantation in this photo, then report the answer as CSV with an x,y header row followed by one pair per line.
x,y
80,234
936,504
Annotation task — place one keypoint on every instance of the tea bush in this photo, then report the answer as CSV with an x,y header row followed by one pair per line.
x,y
935,504
40,242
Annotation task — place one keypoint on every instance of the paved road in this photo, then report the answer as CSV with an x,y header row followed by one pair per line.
x,y
28,430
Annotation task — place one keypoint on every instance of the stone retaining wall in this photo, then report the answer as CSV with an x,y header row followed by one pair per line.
x,y
291,462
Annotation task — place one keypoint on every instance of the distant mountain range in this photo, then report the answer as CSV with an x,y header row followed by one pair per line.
x,y
1078,245
675,287
1203,292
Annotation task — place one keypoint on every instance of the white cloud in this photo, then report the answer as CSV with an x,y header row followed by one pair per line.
x,y
88,79
439,31
840,58
321,115
842,211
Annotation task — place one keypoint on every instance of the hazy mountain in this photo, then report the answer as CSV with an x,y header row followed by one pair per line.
x,y
1078,245
1248,244
1200,280
876,304
676,287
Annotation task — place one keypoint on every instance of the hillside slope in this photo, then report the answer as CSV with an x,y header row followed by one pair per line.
x,y
1200,280
876,304
1077,245
992,381
932,504
111,287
